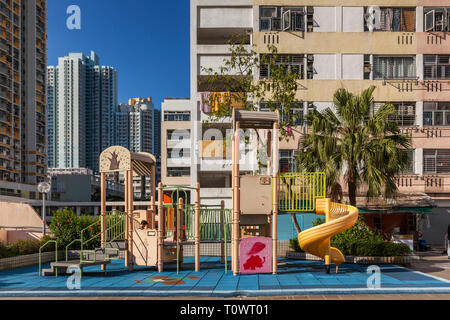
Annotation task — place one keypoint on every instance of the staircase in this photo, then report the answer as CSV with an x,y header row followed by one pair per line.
x,y
114,244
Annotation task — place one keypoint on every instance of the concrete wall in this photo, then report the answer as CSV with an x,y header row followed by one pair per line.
x,y
353,19
434,226
225,17
19,221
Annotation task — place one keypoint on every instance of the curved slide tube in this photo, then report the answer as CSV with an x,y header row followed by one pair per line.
x,y
316,241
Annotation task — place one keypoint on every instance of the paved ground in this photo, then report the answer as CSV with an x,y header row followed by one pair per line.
x,y
433,263
296,280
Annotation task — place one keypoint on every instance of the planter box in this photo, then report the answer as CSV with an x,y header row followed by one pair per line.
x,y
357,260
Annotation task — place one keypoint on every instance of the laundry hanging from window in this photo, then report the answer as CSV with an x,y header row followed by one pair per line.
x,y
397,20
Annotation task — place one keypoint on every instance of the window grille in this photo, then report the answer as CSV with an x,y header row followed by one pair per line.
x,y
385,67
436,66
436,161
436,114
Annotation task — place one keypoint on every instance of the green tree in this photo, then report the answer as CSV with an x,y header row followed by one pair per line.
x,y
239,75
66,226
362,144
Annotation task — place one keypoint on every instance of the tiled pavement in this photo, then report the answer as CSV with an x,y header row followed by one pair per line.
x,y
296,279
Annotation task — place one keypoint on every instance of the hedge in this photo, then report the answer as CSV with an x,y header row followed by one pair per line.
x,y
361,241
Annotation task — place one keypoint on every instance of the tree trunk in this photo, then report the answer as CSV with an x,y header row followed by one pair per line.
x,y
352,191
295,222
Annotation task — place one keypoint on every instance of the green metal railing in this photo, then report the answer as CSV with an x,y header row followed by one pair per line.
x,y
115,226
67,247
114,231
56,256
298,191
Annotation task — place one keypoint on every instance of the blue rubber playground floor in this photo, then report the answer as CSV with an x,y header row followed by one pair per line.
x,y
294,278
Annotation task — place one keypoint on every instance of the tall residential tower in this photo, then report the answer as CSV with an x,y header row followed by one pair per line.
x,y
23,49
82,104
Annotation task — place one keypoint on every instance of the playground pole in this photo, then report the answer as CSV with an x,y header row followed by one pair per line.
x,y
179,231
130,217
328,219
197,229
236,206
269,152
103,211
222,232
161,224
127,227
275,198
153,197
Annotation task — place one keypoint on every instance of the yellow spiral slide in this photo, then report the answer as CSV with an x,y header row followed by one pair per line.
x,y
316,241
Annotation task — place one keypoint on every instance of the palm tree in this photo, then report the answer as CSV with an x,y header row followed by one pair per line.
x,y
362,144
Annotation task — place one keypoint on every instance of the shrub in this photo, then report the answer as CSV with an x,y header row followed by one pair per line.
x,y
63,227
361,241
293,244
24,247
5,251
66,227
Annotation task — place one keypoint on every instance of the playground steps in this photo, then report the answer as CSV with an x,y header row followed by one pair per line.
x,y
99,258
121,245
63,266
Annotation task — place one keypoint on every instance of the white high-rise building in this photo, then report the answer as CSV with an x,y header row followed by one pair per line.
x,y
82,107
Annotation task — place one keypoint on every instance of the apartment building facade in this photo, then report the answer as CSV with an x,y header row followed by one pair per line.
x,y
138,128
23,49
401,47
81,105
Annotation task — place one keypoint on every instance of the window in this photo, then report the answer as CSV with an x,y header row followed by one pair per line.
x,y
410,169
178,153
296,112
178,134
367,67
177,116
437,19
291,63
395,20
436,161
282,19
288,162
406,113
436,66
178,172
436,114
394,67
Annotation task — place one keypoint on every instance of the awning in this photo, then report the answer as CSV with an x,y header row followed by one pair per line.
x,y
426,210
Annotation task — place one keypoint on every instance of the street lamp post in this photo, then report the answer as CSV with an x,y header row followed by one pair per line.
x,y
44,188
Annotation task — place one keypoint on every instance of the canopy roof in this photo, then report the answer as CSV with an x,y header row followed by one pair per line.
x,y
255,120
120,159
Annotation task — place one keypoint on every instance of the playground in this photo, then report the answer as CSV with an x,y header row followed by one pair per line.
x,y
179,247
293,278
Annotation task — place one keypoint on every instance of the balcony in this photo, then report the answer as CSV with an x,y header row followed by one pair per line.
x,y
435,184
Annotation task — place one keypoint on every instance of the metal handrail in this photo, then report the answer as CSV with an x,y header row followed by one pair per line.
x,y
56,256
67,248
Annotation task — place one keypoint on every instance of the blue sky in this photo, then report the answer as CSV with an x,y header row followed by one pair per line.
x,y
147,41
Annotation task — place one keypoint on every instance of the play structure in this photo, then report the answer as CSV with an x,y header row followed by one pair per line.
x,y
161,233
258,200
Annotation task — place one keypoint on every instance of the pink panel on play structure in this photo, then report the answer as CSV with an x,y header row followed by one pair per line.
x,y
256,255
